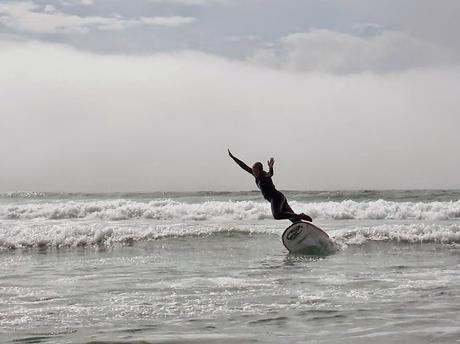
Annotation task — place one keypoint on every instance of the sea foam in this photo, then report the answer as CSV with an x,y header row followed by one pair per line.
x,y
167,209
87,233
414,233
82,233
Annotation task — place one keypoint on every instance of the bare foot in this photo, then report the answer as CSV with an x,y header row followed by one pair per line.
x,y
306,217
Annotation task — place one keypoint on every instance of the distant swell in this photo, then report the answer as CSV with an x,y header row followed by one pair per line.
x,y
168,209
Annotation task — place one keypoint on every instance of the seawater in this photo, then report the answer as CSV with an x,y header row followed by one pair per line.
x,y
209,267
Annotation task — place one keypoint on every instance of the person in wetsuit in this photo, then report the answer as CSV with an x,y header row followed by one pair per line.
x,y
280,207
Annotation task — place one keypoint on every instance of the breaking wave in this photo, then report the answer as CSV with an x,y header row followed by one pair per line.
x,y
400,233
80,234
85,233
167,209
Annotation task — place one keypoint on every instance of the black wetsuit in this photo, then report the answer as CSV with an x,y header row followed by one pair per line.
x,y
280,207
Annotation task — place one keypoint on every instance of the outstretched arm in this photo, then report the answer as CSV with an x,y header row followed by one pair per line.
x,y
240,163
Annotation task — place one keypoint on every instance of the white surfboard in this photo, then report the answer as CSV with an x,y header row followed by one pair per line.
x,y
306,238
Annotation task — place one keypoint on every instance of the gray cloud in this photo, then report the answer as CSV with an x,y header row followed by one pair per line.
x,y
84,122
29,17
220,27
194,2
368,29
329,51
366,100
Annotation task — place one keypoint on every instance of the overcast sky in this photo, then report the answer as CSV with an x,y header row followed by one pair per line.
x,y
146,95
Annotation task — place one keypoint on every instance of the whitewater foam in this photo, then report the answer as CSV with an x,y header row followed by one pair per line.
x,y
168,209
400,233
78,233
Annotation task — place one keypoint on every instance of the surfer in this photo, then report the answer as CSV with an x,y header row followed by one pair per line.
x,y
280,207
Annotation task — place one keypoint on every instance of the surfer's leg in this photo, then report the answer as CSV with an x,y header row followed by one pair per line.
x,y
288,210
276,208
281,209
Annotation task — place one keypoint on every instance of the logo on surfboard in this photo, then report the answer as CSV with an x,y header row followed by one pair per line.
x,y
294,232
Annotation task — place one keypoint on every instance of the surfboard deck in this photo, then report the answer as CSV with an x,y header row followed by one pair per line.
x,y
306,238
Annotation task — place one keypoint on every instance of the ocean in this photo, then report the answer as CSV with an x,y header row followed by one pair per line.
x,y
210,267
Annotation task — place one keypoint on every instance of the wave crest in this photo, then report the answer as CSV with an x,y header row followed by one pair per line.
x,y
78,234
93,234
168,209
400,233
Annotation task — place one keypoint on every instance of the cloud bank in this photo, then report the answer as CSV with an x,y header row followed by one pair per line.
x,y
76,121
194,2
375,49
28,17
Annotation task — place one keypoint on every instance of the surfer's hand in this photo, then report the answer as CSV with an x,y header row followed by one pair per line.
x,y
271,162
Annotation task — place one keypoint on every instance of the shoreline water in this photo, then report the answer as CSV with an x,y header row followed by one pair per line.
x,y
193,268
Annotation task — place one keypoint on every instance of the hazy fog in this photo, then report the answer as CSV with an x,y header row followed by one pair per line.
x,y
371,107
